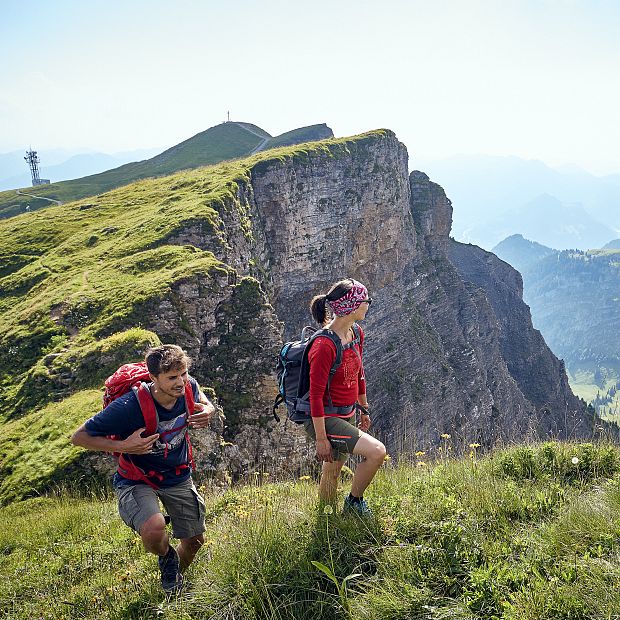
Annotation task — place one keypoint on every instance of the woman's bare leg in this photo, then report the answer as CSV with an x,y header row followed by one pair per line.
x,y
328,487
373,452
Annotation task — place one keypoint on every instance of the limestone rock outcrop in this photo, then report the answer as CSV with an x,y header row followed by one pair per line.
x,y
450,344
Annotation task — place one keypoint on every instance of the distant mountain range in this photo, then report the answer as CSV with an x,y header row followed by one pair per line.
x,y
495,197
574,297
521,253
226,141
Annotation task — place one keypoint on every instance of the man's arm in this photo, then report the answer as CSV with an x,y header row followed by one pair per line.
x,y
134,444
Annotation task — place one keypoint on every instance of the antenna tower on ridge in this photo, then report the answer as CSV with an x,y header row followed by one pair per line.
x,y
33,162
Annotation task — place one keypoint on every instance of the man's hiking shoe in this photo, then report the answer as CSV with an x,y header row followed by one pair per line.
x,y
171,578
359,508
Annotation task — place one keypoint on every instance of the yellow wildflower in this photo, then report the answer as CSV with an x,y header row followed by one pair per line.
x,y
347,471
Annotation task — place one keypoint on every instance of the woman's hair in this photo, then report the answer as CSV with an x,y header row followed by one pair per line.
x,y
318,305
165,358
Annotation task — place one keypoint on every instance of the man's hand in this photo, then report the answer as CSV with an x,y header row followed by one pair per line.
x,y
324,451
364,424
136,444
201,415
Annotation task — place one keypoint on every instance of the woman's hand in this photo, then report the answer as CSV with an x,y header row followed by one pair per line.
x,y
324,450
364,424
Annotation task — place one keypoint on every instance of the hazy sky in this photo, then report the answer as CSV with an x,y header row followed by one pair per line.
x,y
535,79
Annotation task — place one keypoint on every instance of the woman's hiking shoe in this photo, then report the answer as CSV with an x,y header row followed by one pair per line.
x,y
359,507
171,578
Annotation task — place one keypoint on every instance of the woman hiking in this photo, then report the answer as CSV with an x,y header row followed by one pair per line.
x,y
333,404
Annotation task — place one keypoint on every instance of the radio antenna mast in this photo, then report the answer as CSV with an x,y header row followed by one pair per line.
x,y
33,161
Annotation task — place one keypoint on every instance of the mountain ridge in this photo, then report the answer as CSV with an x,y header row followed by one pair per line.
x,y
573,296
229,140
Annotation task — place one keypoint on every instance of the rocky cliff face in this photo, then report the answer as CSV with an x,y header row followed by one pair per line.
x,y
450,345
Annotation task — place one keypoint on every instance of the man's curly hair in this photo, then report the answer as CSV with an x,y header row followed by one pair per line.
x,y
165,358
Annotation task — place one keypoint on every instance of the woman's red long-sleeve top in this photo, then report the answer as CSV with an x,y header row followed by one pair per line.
x,y
347,383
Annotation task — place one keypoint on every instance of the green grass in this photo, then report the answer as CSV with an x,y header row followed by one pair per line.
x,y
219,143
524,533
35,448
297,136
595,383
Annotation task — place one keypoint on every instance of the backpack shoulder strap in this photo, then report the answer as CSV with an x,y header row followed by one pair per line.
x,y
304,379
147,406
328,333
189,398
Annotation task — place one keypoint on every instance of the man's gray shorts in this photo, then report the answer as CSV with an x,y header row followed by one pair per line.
x,y
139,502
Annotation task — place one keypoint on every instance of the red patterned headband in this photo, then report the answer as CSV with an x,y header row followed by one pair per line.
x,y
350,301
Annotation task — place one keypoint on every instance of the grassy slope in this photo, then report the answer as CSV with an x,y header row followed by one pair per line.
x,y
525,534
219,143
78,279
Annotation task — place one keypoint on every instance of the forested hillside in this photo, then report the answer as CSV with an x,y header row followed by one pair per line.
x,y
575,301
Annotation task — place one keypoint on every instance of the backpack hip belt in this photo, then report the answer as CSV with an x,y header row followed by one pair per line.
x,y
304,406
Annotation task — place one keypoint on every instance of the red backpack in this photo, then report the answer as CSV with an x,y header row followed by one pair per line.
x,y
134,377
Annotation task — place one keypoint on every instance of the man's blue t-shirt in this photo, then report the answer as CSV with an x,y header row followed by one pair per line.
x,y
124,416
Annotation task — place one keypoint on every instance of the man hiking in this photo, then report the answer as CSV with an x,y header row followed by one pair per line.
x,y
155,463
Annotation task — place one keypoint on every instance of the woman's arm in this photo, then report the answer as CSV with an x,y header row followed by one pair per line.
x,y
320,357
364,424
